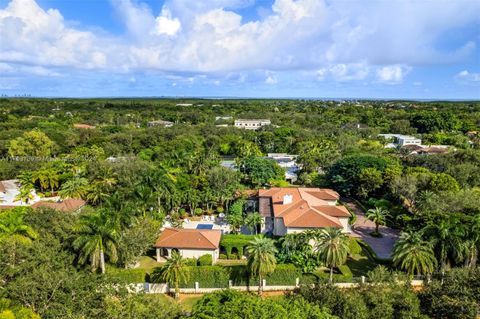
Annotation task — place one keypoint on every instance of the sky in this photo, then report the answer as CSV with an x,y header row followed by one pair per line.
x,y
408,49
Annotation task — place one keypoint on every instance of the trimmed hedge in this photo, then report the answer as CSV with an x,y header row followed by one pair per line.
x,y
231,241
207,277
190,261
345,270
218,276
205,260
127,275
354,246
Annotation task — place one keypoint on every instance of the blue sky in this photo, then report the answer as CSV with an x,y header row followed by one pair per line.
x,y
250,48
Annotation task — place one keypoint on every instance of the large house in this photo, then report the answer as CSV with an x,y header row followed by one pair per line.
x,y
401,140
293,210
190,243
252,124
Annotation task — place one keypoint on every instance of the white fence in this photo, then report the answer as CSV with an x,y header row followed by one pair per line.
x,y
164,288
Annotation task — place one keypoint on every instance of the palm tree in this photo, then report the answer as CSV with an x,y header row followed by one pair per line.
x,y
174,271
25,193
74,188
96,238
332,246
253,220
261,259
379,216
414,254
12,226
446,238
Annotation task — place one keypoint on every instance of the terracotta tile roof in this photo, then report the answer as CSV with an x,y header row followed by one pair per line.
x,y
8,206
309,207
189,238
84,126
68,205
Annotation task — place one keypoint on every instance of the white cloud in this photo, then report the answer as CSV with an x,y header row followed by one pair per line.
x,y
392,74
468,76
165,24
270,79
344,41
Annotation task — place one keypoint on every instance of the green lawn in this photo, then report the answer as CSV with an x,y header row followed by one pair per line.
x,y
361,263
148,263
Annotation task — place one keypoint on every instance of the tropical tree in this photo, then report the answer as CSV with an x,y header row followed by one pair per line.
x,y
332,246
254,220
261,259
25,193
76,187
12,226
174,271
379,216
414,254
447,238
96,238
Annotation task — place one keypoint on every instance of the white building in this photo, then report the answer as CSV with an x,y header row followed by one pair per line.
x,y
287,162
190,243
252,124
401,140
160,123
9,191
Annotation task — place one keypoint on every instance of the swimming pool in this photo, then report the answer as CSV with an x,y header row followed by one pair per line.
x,y
204,226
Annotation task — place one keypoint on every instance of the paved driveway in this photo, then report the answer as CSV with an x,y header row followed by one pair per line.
x,y
363,227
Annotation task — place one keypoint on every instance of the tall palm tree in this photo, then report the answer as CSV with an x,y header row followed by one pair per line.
x,y
174,271
77,187
254,220
414,254
446,236
379,216
332,246
97,237
261,259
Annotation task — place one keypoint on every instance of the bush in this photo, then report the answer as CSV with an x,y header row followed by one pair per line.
x,y
231,241
190,262
284,275
207,277
354,247
345,270
205,260
222,256
198,211
126,275
220,209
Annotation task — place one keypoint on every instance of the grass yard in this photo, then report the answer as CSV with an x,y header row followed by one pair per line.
x,y
148,263
361,263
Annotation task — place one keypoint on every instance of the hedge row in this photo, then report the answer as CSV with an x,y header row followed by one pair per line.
x,y
127,275
218,276
238,242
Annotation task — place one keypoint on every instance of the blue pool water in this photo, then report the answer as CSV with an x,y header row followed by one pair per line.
x,y
204,226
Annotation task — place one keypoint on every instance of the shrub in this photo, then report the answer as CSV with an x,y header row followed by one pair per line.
x,y
190,261
345,270
205,260
284,275
231,241
354,246
126,275
207,277
222,256
198,211
220,209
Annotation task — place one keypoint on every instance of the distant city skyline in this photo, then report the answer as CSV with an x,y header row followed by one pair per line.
x,y
399,49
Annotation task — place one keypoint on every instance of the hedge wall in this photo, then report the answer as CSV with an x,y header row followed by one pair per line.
x,y
231,241
127,275
218,276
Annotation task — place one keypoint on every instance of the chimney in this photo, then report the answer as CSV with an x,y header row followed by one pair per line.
x,y
287,199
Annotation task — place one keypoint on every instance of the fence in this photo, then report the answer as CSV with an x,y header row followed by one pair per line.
x,y
150,288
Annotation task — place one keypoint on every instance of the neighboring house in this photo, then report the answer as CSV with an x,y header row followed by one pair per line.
x,y
401,140
9,191
190,243
292,210
83,126
288,162
67,205
160,123
251,124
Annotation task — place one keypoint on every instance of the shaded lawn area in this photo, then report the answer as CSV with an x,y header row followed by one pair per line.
x,y
361,263
148,263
